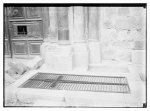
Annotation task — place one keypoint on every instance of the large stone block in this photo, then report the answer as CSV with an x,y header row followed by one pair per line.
x,y
17,67
139,45
137,11
141,70
110,12
118,54
43,49
108,54
123,35
94,52
123,44
49,61
58,57
81,56
35,63
123,11
126,23
108,35
138,56
123,55
136,35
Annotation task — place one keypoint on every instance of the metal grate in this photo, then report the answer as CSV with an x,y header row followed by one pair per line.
x,y
78,82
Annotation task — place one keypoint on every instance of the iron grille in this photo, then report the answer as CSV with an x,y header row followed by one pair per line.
x,y
78,82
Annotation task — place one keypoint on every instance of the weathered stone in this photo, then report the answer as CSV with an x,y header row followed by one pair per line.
x,y
140,70
62,17
93,23
127,23
58,57
124,11
136,35
79,24
137,11
11,71
123,35
53,23
139,45
138,56
123,55
108,54
10,97
108,24
110,12
120,32
63,34
109,35
81,56
94,52
35,63
43,48
18,67
8,78
123,44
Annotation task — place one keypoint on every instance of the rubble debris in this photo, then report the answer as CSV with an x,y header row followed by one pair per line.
x,y
9,80
16,102
142,76
11,71
35,63
16,67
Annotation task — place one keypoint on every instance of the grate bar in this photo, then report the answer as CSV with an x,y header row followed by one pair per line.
x,y
78,82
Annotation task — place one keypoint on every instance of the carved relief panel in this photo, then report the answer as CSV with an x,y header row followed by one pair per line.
x,y
34,12
16,12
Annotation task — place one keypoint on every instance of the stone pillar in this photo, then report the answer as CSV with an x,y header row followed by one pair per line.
x,y
94,45
51,27
53,24
58,57
81,58
70,20
93,23
63,30
78,24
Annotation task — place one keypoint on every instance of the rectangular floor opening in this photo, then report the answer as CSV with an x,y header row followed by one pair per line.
x,y
52,81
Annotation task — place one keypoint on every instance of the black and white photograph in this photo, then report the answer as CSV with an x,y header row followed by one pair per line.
x,y
75,55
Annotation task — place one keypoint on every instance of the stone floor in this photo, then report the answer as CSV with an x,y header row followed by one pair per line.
x,y
42,97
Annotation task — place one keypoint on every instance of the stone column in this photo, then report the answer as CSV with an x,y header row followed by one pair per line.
x,y
78,24
80,46
94,44
63,31
57,56
53,24
93,23
51,30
